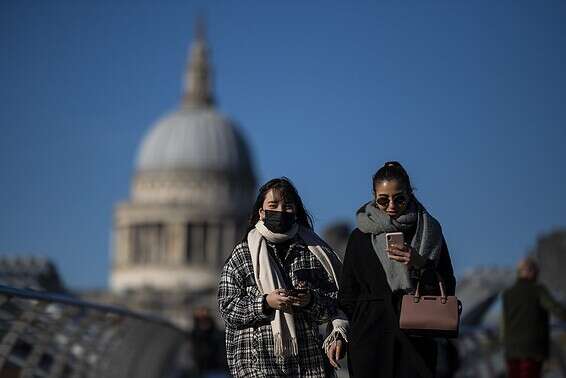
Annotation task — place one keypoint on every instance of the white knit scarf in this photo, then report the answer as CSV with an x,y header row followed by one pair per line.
x,y
269,277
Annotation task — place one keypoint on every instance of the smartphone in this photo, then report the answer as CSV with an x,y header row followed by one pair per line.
x,y
394,238
296,291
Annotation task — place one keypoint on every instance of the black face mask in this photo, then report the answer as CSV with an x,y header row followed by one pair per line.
x,y
279,221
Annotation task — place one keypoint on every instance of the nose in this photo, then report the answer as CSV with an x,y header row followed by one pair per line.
x,y
391,206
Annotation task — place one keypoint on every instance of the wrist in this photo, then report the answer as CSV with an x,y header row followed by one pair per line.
x,y
266,308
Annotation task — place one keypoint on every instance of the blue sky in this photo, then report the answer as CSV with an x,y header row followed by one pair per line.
x,y
469,96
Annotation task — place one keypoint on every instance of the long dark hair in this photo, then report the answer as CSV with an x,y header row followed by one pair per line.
x,y
287,190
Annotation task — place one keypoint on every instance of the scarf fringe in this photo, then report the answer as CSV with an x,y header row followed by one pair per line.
x,y
336,334
285,348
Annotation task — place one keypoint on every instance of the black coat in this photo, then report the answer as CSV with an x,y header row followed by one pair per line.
x,y
376,348
527,306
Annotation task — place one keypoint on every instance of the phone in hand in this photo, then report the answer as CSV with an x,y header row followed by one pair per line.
x,y
394,238
296,291
299,289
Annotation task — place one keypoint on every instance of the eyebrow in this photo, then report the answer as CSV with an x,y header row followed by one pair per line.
x,y
386,195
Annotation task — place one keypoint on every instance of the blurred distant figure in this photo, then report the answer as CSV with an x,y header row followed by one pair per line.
x,y
336,235
207,343
526,332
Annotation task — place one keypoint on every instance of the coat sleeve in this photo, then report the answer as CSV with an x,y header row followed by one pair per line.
x,y
322,306
349,287
442,266
445,269
240,307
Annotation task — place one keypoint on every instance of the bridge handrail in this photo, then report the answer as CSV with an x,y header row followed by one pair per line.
x,y
71,301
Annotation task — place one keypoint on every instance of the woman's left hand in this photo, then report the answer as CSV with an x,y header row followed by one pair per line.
x,y
402,253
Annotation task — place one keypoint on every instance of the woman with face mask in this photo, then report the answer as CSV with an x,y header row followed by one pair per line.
x,y
276,288
376,275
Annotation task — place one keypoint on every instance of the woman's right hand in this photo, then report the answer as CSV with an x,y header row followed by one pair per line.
x,y
278,300
335,353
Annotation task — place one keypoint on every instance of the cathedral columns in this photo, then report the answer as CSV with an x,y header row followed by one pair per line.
x,y
228,239
213,244
178,244
196,234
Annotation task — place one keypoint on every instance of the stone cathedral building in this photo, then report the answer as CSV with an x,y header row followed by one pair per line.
x,y
191,192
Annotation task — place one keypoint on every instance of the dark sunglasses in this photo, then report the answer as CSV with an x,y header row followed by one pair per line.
x,y
400,201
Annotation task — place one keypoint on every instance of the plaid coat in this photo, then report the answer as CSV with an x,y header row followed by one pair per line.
x,y
249,340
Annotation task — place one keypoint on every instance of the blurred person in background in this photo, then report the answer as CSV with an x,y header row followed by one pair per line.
x,y
207,343
277,286
525,324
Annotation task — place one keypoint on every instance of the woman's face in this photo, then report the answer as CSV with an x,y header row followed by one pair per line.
x,y
391,197
274,201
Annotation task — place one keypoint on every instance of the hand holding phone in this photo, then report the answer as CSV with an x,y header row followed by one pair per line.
x,y
293,292
300,288
301,294
396,248
394,238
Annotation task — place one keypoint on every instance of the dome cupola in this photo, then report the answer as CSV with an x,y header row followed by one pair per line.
x,y
193,143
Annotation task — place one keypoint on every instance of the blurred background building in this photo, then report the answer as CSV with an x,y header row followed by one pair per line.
x,y
32,273
550,252
190,196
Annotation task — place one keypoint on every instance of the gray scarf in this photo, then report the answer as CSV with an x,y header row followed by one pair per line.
x,y
427,239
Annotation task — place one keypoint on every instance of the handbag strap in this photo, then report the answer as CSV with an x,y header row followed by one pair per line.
x,y
443,296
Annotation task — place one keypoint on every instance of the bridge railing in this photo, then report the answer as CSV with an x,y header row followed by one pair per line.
x,y
51,335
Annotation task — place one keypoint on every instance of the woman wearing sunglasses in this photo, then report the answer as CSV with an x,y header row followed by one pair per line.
x,y
375,277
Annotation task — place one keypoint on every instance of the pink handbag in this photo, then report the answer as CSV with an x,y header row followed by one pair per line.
x,y
435,316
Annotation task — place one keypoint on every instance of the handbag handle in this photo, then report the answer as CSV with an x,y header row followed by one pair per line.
x,y
443,297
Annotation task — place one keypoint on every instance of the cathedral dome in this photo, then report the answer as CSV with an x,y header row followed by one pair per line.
x,y
195,155
191,192
196,139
